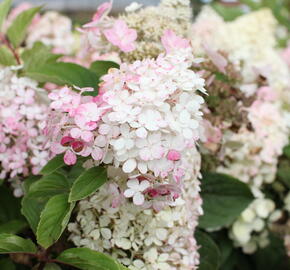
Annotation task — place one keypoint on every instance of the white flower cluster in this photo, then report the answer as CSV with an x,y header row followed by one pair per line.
x,y
142,239
52,29
22,118
250,230
250,154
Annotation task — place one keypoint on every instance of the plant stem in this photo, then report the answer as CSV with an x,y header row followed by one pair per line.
x,y
10,47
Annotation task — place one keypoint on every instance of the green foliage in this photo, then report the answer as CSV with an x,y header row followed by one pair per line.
x,y
209,252
38,195
87,183
53,220
7,264
4,9
64,74
273,256
224,198
227,12
87,259
52,266
102,67
38,56
17,30
6,57
10,243
11,220
52,165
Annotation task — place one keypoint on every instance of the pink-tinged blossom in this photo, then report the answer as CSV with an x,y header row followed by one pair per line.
x,y
172,42
70,158
121,36
22,118
102,11
146,116
173,155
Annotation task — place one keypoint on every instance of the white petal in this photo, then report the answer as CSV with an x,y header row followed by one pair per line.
x,y
106,233
133,183
129,166
138,198
142,167
143,185
129,193
141,132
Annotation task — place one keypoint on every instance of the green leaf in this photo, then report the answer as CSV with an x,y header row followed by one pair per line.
x,y
283,174
65,74
87,183
11,211
51,266
227,12
224,199
29,181
4,9
273,256
87,259
101,67
13,226
50,185
6,57
37,56
209,252
7,264
39,193
10,243
53,220
32,207
52,165
286,151
17,30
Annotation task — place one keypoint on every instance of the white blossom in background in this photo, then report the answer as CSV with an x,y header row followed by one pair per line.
x,y
249,154
52,29
23,112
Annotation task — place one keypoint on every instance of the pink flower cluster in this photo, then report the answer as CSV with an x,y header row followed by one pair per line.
x,y
146,116
22,118
115,31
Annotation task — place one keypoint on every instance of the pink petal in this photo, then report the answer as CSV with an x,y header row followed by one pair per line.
x,y
97,153
70,158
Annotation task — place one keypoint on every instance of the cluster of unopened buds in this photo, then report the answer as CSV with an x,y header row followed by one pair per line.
x,y
146,115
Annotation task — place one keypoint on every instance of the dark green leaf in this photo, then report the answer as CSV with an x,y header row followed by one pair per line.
x,y
87,259
6,57
224,198
286,151
17,30
32,207
52,165
87,183
10,243
7,264
273,256
11,211
65,74
13,226
101,67
53,220
4,9
209,252
284,174
39,193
